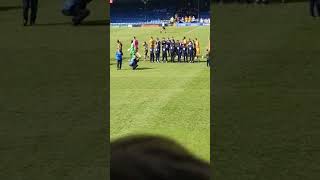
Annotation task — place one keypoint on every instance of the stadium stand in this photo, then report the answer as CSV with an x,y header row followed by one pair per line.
x,y
139,15
125,13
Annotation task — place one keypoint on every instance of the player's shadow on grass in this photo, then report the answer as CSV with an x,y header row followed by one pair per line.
x,y
95,23
143,68
84,23
8,8
54,24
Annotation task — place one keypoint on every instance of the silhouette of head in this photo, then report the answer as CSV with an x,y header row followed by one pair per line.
x,y
154,158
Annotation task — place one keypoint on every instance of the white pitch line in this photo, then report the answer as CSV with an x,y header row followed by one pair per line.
x,y
193,30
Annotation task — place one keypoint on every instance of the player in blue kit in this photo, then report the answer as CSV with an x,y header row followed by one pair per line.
x,y
119,59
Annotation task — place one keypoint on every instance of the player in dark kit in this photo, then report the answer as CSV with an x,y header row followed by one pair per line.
x,y
175,45
33,6
77,9
208,58
164,51
179,50
191,51
146,47
158,49
194,49
168,46
185,52
151,54
172,39
314,5
172,50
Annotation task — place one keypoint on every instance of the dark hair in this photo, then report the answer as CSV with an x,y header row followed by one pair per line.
x,y
154,158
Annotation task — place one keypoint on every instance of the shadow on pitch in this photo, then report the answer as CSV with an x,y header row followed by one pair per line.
x,y
85,23
54,24
95,23
9,8
143,68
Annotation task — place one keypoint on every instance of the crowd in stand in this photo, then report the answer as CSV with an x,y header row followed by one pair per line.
x,y
187,12
187,18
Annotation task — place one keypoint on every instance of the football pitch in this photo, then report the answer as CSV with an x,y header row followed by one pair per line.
x,y
53,94
167,99
266,96
266,92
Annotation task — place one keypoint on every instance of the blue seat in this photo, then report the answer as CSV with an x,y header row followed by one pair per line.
x,y
140,16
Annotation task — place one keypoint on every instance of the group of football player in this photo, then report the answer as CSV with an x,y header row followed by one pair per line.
x,y
171,50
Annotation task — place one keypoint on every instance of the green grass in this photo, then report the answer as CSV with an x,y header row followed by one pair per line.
x,y
52,95
266,92
171,100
